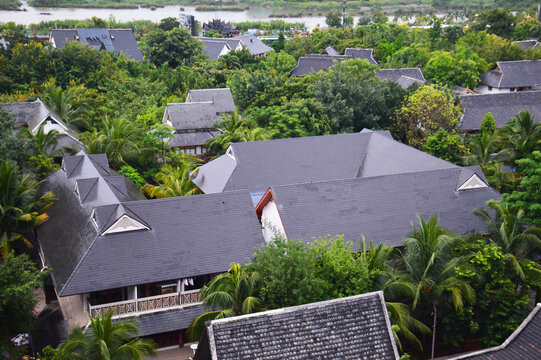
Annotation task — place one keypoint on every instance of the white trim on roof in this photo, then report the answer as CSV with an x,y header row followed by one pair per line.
x,y
125,224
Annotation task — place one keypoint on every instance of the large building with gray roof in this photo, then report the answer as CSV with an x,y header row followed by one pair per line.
x,y
249,42
110,249
194,120
113,40
503,107
381,207
257,165
405,77
511,76
33,114
355,327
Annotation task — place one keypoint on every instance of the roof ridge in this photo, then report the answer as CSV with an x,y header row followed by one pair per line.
x,y
91,188
288,309
182,198
106,178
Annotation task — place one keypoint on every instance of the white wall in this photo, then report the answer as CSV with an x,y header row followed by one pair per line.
x,y
271,223
48,125
482,89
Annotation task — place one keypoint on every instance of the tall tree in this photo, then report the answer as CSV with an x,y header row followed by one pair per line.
x,y
13,146
175,47
429,266
44,143
522,135
508,231
232,292
423,113
63,104
20,207
106,339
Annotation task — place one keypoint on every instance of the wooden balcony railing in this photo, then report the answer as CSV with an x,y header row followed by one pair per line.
x,y
148,304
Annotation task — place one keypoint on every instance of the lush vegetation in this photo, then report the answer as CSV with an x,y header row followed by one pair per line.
x,y
458,288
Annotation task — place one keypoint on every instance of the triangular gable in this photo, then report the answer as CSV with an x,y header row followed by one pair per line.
x,y
474,182
124,224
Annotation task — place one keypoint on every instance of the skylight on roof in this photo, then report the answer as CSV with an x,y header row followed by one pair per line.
x,y
474,182
125,224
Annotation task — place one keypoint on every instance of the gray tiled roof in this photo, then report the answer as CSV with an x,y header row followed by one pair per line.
x,y
382,207
357,53
166,321
116,40
396,74
523,344
192,138
503,107
513,74
314,63
221,98
187,236
527,44
250,42
23,111
355,327
329,50
261,164
213,48
188,116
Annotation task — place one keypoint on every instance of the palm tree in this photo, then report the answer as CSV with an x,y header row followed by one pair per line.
x,y
173,181
521,135
375,259
232,291
44,143
107,340
117,140
482,150
429,268
61,102
20,209
508,232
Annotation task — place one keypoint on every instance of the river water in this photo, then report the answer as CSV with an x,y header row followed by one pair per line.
x,y
35,15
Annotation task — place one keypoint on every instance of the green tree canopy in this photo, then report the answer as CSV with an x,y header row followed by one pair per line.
x,y
175,47
13,146
107,339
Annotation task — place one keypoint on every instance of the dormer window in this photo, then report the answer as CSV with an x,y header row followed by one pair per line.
x,y
474,182
93,218
125,224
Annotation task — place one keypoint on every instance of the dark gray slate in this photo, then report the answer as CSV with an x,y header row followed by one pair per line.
x,y
192,138
523,344
213,48
355,327
502,106
314,63
115,40
192,115
165,321
221,98
513,74
358,53
186,236
381,208
260,164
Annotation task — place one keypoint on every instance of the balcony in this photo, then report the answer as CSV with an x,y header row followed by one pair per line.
x,y
148,304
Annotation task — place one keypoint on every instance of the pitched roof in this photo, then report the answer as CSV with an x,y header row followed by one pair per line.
x,y
192,138
513,74
503,107
527,44
358,53
355,327
221,98
314,63
177,237
116,40
329,50
250,42
257,165
165,321
524,343
381,207
405,77
193,115
214,49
